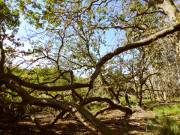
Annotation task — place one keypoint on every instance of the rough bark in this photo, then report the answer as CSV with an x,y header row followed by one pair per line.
x,y
95,122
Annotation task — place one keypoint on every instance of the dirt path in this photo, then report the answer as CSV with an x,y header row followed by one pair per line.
x,y
134,125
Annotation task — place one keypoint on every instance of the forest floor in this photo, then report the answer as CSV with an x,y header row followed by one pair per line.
x,y
134,125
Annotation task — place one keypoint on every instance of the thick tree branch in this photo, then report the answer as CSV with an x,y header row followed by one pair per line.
x,y
127,110
39,101
2,56
8,77
129,46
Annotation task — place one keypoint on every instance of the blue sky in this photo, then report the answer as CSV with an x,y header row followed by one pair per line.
x,y
28,32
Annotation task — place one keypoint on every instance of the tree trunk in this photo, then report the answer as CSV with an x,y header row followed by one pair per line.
x,y
140,96
127,100
94,121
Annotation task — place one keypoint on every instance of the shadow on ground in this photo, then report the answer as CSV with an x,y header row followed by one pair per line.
x,y
134,125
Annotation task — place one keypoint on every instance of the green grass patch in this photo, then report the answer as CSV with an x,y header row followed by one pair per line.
x,y
167,110
167,120
164,126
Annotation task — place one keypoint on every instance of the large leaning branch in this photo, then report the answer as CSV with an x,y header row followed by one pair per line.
x,y
28,99
129,46
101,62
44,87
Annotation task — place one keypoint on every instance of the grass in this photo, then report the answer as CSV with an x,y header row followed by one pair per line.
x,y
167,110
167,120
